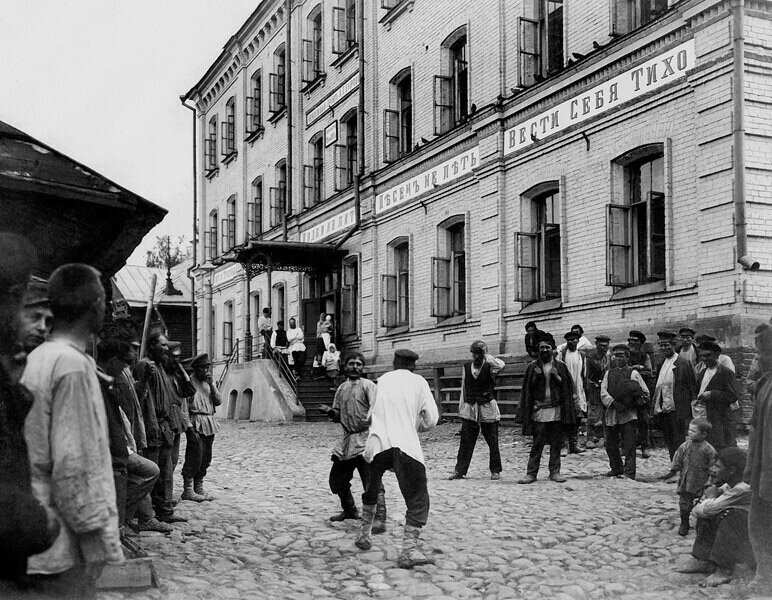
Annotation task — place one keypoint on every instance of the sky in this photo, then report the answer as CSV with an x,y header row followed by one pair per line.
x,y
100,81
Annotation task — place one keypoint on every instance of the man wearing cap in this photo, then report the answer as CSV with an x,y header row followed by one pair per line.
x,y
622,390
688,349
36,317
674,392
597,363
548,407
574,361
583,344
404,406
758,470
183,389
478,410
641,362
532,339
723,359
717,392
203,427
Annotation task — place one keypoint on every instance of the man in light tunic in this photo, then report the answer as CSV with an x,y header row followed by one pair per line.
x,y
404,406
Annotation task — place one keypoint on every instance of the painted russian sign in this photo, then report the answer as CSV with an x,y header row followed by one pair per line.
x,y
226,274
328,227
330,101
454,168
652,74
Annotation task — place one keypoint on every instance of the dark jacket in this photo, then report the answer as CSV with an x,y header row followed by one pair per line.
x,y
723,392
534,385
478,390
684,387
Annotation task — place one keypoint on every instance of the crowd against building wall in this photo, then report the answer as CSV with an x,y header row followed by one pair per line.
x,y
89,446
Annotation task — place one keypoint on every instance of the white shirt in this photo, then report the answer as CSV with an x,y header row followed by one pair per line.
x,y
575,363
295,339
404,405
709,373
582,344
663,392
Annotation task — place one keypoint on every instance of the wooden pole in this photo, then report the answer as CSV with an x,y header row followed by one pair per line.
x,y
148,312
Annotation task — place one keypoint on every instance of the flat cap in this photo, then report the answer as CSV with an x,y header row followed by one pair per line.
x,y
704,338
667,336
478,346
406,354
546,337
711,346
201,359
36,292
687,331
572,335
634,333
602,338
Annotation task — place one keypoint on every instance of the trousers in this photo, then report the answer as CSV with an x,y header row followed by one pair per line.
x,y
724,540
673,430
411,477
342,472
543,434
623,436
162,492
198,455
470,430
141,477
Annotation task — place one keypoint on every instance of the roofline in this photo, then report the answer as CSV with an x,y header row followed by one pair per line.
x,y
227,51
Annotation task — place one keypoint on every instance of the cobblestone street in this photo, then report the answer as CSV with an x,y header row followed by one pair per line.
x,y
267,534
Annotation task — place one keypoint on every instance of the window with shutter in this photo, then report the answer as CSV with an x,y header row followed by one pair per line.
x,y
339,42
529,51
619,263
341,167
441,288
390,135
538,251
443,104
527,261
389,301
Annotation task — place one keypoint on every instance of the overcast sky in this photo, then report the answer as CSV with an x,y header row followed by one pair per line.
x,y
100,81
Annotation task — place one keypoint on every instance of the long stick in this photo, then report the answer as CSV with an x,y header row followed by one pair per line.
x,y
148,312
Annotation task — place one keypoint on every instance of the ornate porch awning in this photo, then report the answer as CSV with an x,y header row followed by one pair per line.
x,y
258,256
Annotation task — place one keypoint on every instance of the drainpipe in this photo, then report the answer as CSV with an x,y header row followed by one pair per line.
x,y
360,124
193,329
288,108
738,137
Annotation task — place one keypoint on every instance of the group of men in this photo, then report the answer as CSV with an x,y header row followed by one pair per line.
x,y
84,446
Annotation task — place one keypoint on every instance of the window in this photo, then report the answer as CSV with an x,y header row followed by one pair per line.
x,y
255,210
229,129
350,296
277,83
449,272
227,329
636,227
212,235
212,332
254,114
451,91
210,147
538,248
346,153
279,195
398,124
627,15
229,225
313,174
541,40
279,308
344,26
312,48
395,289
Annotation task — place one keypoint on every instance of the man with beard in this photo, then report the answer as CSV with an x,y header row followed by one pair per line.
x,y
597,364
548,408
622,390
354,399
574,361
157,393
716,394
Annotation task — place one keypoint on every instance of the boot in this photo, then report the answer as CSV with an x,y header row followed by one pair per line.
x,y
411,556
573,442
188,493
198,487
379,523
683,529
349,508
363,541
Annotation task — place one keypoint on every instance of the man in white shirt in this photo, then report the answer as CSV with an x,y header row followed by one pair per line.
x,y
404,405
575,363
264,329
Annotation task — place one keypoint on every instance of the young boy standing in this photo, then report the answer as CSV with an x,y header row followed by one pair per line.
x,y
692,460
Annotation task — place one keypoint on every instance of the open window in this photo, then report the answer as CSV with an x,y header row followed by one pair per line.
x,y
312,48
210,147
254,106
349,298
228,229
229,130
449,270
277,82
540,35
346,153
451,88
227,329
255,210
635,226
313,174
398,121
395,287
344,27
279,195
538,247
211,237
628,15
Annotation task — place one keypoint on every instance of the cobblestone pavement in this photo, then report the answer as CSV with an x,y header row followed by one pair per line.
x,y
267,534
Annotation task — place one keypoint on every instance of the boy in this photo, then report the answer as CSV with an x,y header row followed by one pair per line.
x,y
692,459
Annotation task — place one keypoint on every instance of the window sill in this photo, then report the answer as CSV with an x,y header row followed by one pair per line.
x,y
313,84
402,7
229,158
398,330
251,136
450,321
344,56
639,290
277,115
211,173
542,306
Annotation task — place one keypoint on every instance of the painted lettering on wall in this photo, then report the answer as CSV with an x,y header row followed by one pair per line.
x,y
631,84
226,274
329,227
330,101
428,180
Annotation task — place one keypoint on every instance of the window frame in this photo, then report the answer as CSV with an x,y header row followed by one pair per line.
x,y
398,126
313,174
211,164
451,97
349,303
213,234
253,118
255,209
227,329
312,58
541,52
229,130
449,272
628,15
277,83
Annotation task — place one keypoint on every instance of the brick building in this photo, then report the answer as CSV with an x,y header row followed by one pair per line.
x,y
603,162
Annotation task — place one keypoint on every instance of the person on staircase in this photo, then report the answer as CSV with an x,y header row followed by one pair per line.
x,y
353,400
297,347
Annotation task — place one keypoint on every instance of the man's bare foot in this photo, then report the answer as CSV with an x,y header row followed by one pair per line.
x,y
720,576
693,565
